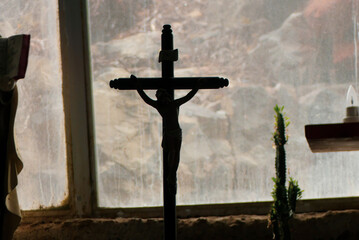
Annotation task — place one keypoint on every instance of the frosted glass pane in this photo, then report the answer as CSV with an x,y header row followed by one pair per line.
x,y
39,124
300,54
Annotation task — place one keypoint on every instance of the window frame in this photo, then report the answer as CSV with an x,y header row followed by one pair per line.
x,y
77,90
77,101
81,146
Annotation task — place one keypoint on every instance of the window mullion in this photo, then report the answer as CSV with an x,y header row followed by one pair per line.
x,y
77,102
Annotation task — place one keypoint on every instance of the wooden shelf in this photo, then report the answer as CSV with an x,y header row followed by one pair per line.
x,y
333,137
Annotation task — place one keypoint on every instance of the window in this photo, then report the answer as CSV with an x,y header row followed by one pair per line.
x,y
300,54
39,124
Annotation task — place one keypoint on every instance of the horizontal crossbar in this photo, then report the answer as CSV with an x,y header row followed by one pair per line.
x,y
170,83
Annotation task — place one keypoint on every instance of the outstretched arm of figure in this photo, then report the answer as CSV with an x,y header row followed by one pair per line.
x,y
189,95
142,93
186,98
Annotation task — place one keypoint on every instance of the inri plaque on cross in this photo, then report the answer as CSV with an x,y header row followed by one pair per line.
x,y
168,107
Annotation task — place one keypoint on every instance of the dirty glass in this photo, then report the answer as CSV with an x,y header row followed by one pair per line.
x,y
39,124
298,54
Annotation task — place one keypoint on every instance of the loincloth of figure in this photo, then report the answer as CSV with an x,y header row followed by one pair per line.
x,y
172,140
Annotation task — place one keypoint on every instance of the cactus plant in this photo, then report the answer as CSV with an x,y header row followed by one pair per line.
x,y
284,198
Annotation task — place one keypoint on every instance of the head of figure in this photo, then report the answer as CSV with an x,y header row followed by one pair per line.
x,y
163,96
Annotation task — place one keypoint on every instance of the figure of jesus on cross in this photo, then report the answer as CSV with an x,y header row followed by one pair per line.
x,y
172,132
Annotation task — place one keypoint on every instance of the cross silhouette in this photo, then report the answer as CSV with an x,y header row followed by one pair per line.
x,y
168,107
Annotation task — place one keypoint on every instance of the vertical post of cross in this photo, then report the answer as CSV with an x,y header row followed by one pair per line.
x,y
167,57
169,197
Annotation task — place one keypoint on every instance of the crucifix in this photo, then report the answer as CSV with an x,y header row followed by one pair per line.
x,y
168,107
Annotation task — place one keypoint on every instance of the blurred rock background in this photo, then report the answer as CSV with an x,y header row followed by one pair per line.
x,y
300,54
